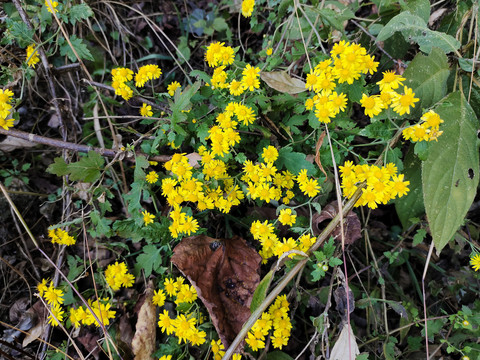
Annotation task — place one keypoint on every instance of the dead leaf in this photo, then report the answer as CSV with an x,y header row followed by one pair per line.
x,y
351,224
434,16
225,273
345,304
35,333
90,341
281,81
18,309
346,347
143,342
12,143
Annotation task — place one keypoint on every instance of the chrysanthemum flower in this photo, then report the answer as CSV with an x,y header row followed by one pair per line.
x,y
286,217
247,7
390,81
401,104
51,5
159,298
32,56
475,262
151,177
373,105
269,154
56,315
147,217
146,110
174,85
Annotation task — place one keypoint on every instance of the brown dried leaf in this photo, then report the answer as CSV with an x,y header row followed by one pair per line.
x,y
143,342
351,224
281,81
225,273
346,346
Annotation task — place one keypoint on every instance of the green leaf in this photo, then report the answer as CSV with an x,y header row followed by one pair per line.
x,y
411,205
19,31
414,28
79,46
150,260
421,8
100,225
278,355
261,291
182,102
427,76
59,167
450,174
419,237
79,12
88,168
293,161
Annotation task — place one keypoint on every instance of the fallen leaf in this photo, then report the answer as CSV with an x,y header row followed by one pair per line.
x,y
345,304
351,224
90,341
346,347
12,143
281,81
225,274
35,333
143,342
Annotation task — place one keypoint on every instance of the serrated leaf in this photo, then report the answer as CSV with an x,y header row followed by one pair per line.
x,y
293,161
450,174
19,31
87,169
79,46
427,76
281,81
411,205
79,12
59,167
261,291
150,260
419,237
414,28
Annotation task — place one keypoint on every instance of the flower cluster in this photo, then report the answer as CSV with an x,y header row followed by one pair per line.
x,y
224,134
183,326
120,77
54,298
383,183
59,236
219,54
145,73
348,62
32,56
275,319
266,183
83,315
426,130
272,245
5,108
117,276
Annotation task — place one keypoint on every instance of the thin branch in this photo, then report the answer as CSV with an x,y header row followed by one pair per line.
x,y
75,147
